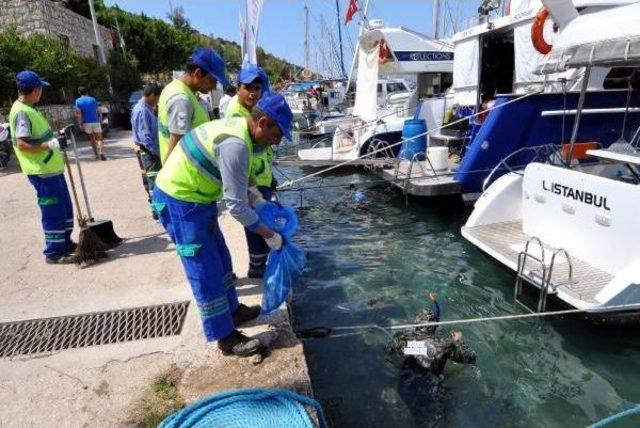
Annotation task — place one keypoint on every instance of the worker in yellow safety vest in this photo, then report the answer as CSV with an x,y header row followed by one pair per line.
x,y
252,84
41,160
209,164
179,110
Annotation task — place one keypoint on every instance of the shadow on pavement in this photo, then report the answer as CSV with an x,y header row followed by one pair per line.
x,y
150,244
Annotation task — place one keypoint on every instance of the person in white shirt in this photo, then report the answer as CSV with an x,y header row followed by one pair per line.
x,y
229,93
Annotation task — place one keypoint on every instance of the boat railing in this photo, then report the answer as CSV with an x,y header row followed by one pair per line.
x,y
546,272
421,159
635,139
540,153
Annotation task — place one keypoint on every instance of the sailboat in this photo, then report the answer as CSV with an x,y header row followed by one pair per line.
x,y
383,104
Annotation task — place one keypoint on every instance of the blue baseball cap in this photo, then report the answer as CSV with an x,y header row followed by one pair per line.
x,y
249,73
276,107
209,60
27,79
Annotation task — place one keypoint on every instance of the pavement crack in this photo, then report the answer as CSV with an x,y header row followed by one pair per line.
x,y
135,357
60,372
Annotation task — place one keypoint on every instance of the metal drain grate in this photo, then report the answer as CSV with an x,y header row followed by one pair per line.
x,y
100,328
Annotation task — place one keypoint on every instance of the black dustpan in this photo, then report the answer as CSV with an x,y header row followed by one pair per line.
x,y
102,228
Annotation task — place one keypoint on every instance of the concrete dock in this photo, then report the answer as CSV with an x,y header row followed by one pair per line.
x,y
105,385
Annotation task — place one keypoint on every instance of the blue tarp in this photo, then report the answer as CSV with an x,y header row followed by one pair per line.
x,y
285,265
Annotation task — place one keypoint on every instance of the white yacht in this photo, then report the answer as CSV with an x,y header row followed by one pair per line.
x,y
383,104
390,92
495,65
568,225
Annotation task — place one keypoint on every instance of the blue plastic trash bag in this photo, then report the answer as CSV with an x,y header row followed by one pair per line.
x,y
359,196
284,266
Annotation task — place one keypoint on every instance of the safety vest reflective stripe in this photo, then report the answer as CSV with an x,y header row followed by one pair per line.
x,y
198,156
191,173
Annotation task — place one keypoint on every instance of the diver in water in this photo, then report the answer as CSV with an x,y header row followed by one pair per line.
x,y
423,358
354,199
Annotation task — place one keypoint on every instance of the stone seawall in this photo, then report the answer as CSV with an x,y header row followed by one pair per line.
x,y
58,115
54,21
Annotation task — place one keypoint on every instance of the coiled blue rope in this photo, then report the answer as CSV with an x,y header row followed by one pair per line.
x,y
255,408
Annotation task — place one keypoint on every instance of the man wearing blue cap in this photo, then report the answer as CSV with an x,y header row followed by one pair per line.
x,y
212,163
179,110
252,83
40,158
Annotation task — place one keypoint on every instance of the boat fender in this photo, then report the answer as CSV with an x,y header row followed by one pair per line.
x,y
385,52
537,32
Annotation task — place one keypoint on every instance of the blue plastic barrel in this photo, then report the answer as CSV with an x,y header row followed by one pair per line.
x,y
413,132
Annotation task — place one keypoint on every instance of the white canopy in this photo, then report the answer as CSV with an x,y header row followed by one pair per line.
x,y
607,38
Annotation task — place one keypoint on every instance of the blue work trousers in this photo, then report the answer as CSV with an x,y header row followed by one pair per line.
x,y
258,248
56,212
194,230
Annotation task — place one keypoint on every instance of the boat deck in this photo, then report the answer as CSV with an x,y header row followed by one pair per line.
x,y
421,182
508,240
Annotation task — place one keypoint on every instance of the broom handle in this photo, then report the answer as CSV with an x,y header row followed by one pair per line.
x,y
82,185
81,219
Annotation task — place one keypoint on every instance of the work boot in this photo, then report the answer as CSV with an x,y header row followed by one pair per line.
x,y
256,272
239,345
61,260
245,313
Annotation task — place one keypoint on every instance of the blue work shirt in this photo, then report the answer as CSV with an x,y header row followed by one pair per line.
x,y
89,108
144,125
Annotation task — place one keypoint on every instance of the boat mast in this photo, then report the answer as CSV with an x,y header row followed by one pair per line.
x,y
344,74
332,58
306,37
436,7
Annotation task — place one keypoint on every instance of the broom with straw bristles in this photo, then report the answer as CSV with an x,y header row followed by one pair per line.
x,y
90,246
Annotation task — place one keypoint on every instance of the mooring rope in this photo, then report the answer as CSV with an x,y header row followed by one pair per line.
x,y
401,177
363,327
386,148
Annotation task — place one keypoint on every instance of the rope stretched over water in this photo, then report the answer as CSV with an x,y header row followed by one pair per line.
x,y
362,327
400,178
616,417
386,148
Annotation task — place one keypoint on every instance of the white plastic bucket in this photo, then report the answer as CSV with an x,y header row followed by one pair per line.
x,y
438,157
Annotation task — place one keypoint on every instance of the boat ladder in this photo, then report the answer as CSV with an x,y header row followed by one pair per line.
x,y
541,276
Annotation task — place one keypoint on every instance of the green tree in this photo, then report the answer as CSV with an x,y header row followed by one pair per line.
x,y
62,67
179,20
82,6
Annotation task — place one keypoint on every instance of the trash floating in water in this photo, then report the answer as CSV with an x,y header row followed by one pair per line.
x,y
285,265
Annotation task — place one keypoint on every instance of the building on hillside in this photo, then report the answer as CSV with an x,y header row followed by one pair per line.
x,y
55,21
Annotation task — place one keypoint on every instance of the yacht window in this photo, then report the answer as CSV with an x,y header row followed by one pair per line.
x,y
395,87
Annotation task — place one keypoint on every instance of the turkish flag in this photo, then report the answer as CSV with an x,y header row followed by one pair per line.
x,y
351,10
